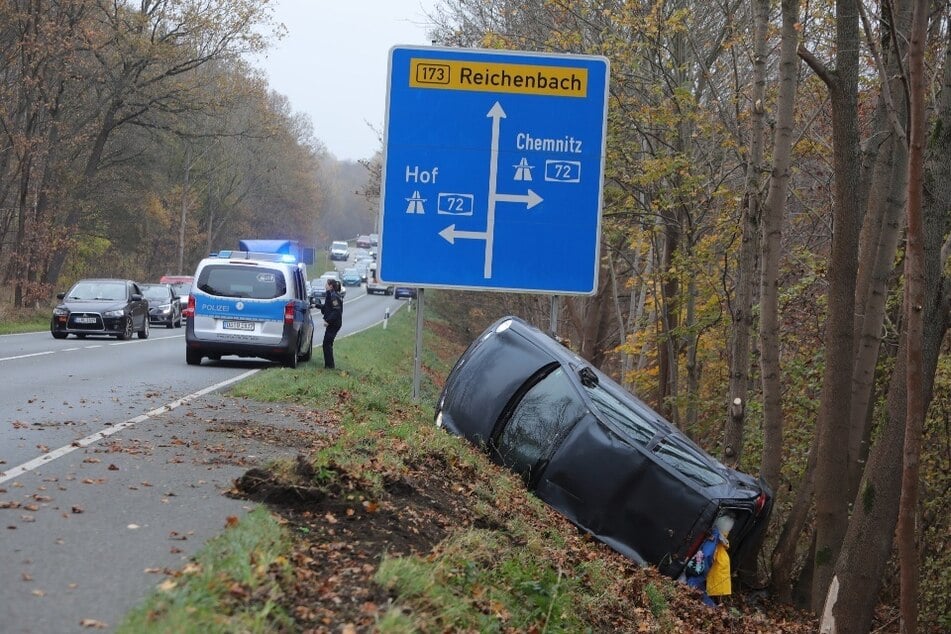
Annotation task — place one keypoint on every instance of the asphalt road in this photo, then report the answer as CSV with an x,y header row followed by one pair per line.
x,y
113,459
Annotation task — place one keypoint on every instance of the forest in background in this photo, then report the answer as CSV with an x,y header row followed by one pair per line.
x,y
764,159
135,138
755,226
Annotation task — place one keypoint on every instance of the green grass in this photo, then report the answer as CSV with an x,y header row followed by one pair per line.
x,y
230,587
506,572
31,322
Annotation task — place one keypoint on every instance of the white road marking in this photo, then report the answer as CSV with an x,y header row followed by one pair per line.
x,y
26,356
47,458
90,347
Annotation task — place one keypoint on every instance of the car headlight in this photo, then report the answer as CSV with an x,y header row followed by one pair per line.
x,y
60,311
114,313
165,308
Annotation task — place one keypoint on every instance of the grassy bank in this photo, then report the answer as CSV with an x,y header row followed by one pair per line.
x,y
392,525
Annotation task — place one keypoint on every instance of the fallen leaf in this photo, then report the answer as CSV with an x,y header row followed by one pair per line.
x,y
93,624
232,521
132,527
26,576
77,509
39,593
91,460
112,467
167,585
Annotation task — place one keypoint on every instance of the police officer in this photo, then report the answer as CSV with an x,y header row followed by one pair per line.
x,y
332,309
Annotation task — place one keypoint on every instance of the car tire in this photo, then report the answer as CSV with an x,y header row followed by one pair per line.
x,y
127,330
310,351
171,323
192,357
290,361
144,333
60,335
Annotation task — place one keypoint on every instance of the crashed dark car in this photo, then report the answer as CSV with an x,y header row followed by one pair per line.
x,y
594,452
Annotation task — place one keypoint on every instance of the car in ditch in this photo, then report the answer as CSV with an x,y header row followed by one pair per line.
x,y
595,452
101,306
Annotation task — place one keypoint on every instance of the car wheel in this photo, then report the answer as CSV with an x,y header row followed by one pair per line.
x,y
60,335
192,357
310,350
80,335
181,321
144,333
171,323
290,361
126,329
214,357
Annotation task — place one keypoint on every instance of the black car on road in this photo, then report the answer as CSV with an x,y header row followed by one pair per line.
x,y
111,307
595,452
165,306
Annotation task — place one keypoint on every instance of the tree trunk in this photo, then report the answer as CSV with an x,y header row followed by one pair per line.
x,y
914,305
832,425
742,306
868,543
771,244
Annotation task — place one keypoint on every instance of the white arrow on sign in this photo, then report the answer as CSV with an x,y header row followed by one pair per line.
x,y
450,234
531,198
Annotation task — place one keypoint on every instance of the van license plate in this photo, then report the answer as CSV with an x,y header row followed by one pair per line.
x,y
237,325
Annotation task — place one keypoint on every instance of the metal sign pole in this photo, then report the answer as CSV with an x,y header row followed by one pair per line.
x,y
553,316
419,343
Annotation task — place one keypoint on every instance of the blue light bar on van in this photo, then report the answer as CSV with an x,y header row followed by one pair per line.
x,y
256,255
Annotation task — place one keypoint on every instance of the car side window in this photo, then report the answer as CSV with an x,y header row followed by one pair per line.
x,y
541,418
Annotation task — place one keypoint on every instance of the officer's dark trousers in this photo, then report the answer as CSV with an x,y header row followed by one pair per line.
x,y
330,333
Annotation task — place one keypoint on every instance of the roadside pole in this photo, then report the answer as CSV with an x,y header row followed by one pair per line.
x,y
419,344
553,316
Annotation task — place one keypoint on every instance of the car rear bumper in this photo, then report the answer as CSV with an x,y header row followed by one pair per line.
x,y
274,351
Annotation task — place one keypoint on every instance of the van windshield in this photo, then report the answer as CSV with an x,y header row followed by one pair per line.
x,y
251,282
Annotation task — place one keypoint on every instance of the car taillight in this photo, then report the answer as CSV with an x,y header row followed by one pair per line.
x,y
190,311
760,503
289,313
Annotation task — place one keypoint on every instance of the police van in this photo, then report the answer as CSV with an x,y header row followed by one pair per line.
x,y
249,304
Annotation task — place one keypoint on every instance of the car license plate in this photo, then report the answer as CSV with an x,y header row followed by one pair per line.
x,y
237,325
85,320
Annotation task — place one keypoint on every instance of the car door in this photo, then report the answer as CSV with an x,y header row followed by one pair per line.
x,y
138,306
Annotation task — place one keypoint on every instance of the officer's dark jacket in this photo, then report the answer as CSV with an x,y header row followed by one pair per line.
x,y
332,308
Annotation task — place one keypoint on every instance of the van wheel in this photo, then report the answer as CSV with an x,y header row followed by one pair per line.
x,y
192,357
290,361
310,351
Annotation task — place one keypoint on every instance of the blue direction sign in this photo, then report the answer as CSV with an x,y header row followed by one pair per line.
x,y
493,170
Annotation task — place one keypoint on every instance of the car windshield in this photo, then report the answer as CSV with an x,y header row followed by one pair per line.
x,y
102,291
155,292
182,289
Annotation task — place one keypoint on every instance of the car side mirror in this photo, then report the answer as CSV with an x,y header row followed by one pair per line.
x,y
60,295
136,297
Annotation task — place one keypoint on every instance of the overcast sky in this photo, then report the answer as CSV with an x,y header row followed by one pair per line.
x,y
332,65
